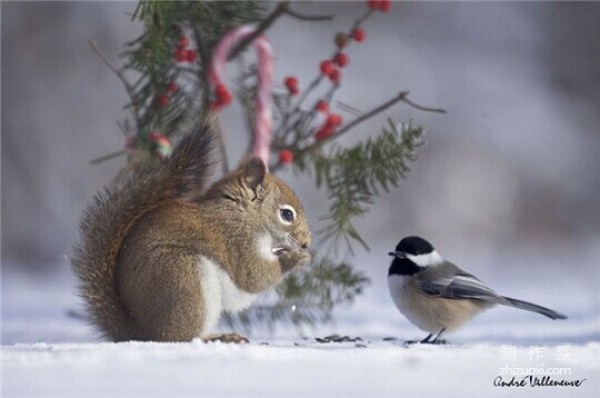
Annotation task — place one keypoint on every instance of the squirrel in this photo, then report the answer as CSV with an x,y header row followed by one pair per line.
x,y
162,255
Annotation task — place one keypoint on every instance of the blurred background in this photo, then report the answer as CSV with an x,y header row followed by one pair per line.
x,y
508,184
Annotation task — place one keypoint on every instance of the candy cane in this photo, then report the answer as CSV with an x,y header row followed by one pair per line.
x,y
263,118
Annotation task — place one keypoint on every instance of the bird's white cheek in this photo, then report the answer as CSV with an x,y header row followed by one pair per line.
x,y
425,260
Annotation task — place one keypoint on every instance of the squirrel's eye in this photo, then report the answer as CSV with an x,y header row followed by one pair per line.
x,y
287,214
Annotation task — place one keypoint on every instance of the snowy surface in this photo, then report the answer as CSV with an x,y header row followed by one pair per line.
x,y
46,352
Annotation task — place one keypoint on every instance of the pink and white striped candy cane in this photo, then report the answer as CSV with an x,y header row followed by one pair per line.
x,y
263,119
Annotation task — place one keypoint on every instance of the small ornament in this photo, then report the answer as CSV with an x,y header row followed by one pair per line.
x,y
286,156
358,35
163,144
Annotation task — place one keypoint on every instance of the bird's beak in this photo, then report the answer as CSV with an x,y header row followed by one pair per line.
x,y
397,254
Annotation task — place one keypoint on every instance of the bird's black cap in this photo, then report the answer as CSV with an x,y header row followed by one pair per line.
x,y
414,245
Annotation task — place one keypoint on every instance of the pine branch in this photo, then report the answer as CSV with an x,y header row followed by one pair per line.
x,y
355,176
305,297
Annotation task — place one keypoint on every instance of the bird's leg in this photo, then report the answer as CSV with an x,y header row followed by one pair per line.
x,y
424,341
437,339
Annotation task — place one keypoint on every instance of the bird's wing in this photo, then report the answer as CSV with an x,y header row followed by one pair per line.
x,y
459,285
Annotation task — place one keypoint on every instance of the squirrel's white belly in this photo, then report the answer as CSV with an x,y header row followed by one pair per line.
x,y
220,294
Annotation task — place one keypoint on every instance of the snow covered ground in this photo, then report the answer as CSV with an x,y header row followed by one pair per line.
x,y
48,353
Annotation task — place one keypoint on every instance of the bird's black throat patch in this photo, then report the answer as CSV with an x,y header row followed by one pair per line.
x,y
403,266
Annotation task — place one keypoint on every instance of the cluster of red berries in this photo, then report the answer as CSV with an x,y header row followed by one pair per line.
x,y
332,67
332,122
165,99
291,83
381,5
222,97
183,53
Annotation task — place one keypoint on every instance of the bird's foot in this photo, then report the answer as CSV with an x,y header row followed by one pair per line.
x,y
439,341
426,341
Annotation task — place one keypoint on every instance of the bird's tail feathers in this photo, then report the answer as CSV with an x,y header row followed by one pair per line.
x,y
524,305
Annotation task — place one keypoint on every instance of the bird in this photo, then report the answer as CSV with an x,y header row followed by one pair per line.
x,y
437,296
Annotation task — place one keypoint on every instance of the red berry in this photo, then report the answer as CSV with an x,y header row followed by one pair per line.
x,y
359,35
191,55
172,87
223,95
341,59
220,90
324,133
327,67
374,4
333,120
180,55
291,83
163,100
385,5
322,106
183,42
286,156
336,76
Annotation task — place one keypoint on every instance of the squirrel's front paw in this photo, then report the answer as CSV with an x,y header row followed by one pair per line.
x,y
294,258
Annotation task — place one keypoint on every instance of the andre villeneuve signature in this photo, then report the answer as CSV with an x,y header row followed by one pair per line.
x,y
535,381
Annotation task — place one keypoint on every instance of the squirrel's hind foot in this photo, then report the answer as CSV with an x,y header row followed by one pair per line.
x,y
226,338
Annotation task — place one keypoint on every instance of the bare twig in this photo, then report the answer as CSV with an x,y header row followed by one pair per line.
x,y
283,125
368,115
401,97
305,17
348,108
113,68
119,74
423,108
108,157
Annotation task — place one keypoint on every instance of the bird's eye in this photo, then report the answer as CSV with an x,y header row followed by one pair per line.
x,y
287,214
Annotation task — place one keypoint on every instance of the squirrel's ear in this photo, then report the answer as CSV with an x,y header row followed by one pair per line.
x,y
253,171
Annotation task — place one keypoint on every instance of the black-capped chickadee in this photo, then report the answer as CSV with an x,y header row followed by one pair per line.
x,y
435,295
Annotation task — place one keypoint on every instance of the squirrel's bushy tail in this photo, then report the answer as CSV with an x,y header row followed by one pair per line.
x,y
116,208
